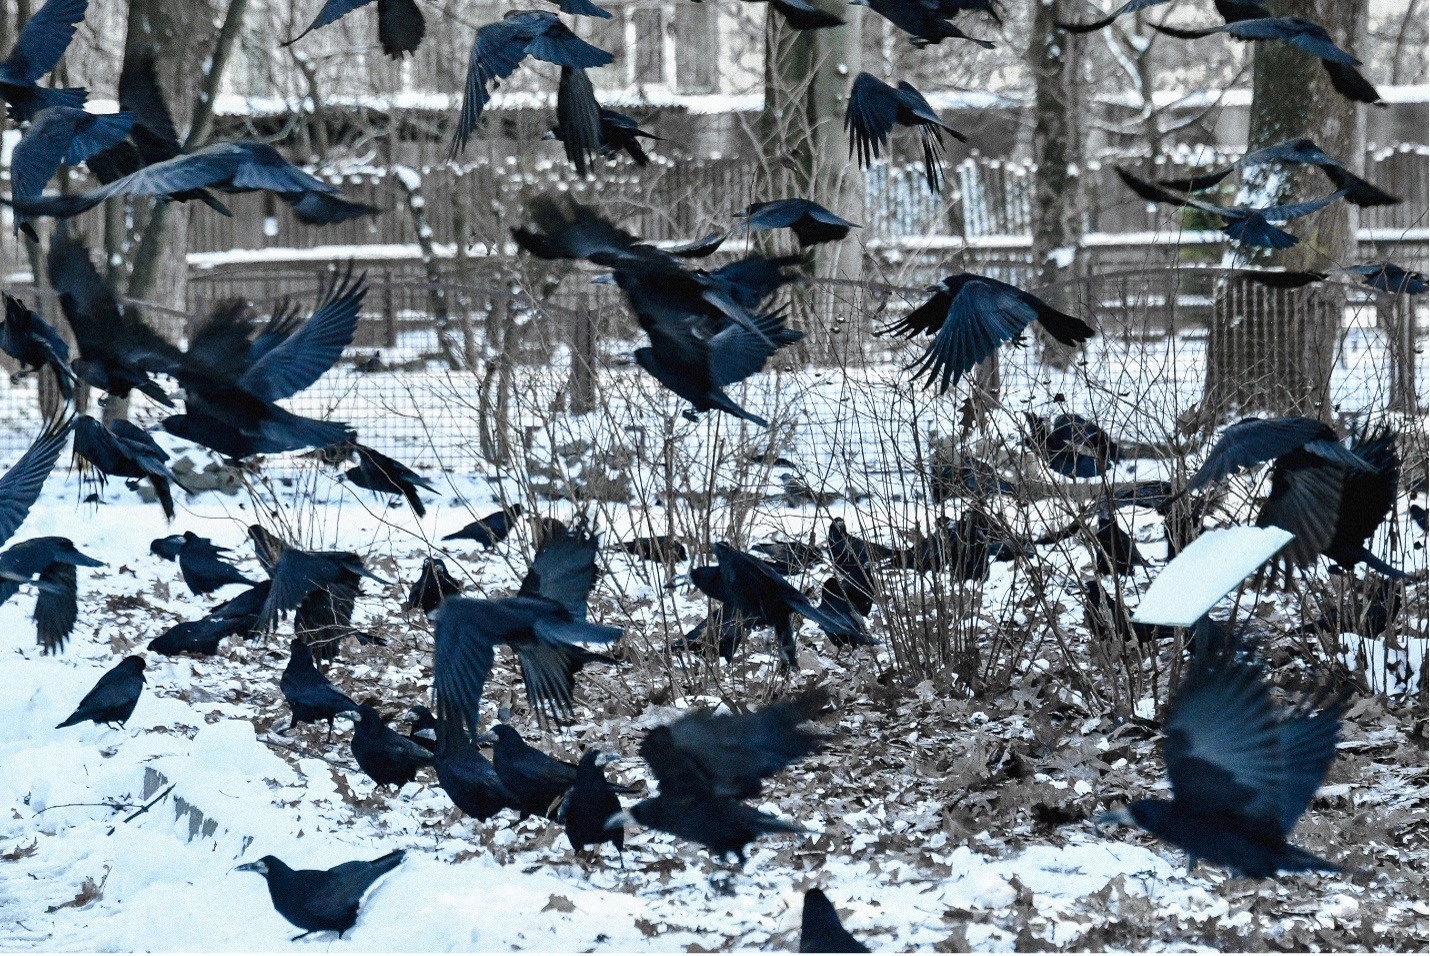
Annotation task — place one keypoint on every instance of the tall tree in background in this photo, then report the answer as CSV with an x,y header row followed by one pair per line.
x,y
1273,350
1060,117
807,79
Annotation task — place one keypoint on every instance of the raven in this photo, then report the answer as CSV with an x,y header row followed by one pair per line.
x,y
113,697
317,900
875,108
43,40
34,343
400,25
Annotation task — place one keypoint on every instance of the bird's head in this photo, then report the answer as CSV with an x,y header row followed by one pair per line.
x,y
260,866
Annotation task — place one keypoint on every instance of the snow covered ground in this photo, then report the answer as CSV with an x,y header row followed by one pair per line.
x,y
936,819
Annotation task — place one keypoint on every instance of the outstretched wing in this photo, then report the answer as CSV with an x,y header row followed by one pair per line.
x,y
564,571
873,108
332,11
308,353
461,660
981,317
20,486
579,117
1132,6
44,38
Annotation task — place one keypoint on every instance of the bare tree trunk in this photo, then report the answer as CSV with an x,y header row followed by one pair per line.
x,y
411,182
1273,350
1059,136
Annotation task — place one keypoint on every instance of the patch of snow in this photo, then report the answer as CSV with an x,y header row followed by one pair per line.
x,y
1205,571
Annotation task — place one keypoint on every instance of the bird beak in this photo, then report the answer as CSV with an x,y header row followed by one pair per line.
x,y
550,134
247,868
621,819
604,278
350,715
1121,816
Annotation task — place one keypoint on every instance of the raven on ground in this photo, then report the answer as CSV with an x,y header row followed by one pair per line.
x,y
434,585
113,697
310,696
820,930
491,530
317,900
383,754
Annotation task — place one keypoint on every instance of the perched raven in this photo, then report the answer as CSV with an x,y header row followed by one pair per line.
x,y
43,40
432,586
113,697
1242,770
500,48
875,108
383,754
317,900
309,694
969,316
237,617
34,343
749,586
810,222
400,25
491,530
203,570
820,930
537,780
706,764
543,623
590,805
1072,444
469,778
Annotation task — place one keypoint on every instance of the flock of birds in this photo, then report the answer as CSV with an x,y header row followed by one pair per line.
x,y
1242,769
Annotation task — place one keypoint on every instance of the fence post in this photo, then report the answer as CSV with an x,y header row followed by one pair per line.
x,y
583,358
389,312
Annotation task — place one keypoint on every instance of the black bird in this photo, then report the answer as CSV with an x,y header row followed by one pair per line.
x,y
400,25
789,557
590,805
843,603
1242,770
204,571
242,166
34,343
1115,551
123,449
386,476
1107,619
113,697
618,133
875,108
810,222
317,900
751,587
854,558
1333,508
1252,227
925,23
491,530
1131,6
432,586
1300,34
1383,276
59,134
310,696
50,564
706,764
1301,152
383,754
972,475
43,40
581,8
1252,441
21,485
1072,444
237,617
117,350
499,49
1419,516
820,930
543,623
469,778
423,724
167,547
969,316
322,586
730,628
661,547
960,546
803,15
537,780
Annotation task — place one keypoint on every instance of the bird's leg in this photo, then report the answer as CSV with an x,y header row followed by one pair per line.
x,y
300,936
